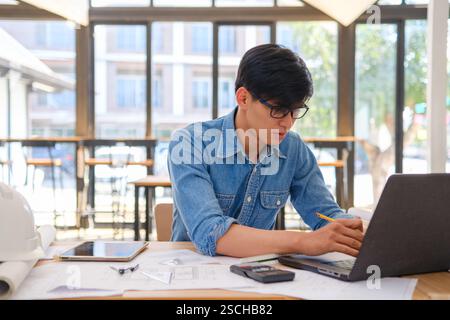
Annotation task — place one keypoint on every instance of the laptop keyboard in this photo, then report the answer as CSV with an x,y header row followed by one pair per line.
x,y
344,264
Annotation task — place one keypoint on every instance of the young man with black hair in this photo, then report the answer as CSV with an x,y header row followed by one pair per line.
x,y
232,175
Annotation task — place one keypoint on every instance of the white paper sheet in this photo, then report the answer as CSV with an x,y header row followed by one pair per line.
x,y
183,257
49,283
189,257
173,258
309,285
364,214
80,276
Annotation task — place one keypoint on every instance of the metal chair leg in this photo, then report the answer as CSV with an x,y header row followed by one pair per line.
x,y
61,186
54,195
26,175
33,178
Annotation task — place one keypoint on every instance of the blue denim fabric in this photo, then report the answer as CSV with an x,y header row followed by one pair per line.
x,y
214,188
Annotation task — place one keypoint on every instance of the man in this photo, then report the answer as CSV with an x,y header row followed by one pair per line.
x,y
232,175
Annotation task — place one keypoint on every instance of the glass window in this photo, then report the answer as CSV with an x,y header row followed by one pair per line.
x,y
160,44
120,3
244,3
290,3
182,3
227,94
131,38
156,92
41,92
374,110
59,100
184,81
316,43
55,35
415,115
45,87
230,54
227,39
131,92
201,38
201,89
120,81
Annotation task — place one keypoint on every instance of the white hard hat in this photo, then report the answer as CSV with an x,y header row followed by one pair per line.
x,y
18,237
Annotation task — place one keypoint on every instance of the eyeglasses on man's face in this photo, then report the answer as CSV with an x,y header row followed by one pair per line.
x,y
279,112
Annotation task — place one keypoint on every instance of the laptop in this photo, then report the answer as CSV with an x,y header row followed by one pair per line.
x,y
409,233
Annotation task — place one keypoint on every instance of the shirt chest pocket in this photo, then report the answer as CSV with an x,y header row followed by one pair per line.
x,y
273,199
225,201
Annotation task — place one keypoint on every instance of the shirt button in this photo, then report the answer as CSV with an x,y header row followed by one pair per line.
x,y
249,199
278,202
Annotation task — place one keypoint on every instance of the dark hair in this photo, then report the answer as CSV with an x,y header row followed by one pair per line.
x,y
271,71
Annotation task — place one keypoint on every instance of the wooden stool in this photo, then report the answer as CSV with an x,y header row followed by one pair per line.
x,y
149,183
339,166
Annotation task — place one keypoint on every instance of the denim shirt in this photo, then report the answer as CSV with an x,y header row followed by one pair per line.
x,y
217,185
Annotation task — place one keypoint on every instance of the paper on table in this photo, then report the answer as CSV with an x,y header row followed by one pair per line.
x,y
39,287
183,257
186,277
309,285
99,276
164,277
189,257
364,214
58,281
13,273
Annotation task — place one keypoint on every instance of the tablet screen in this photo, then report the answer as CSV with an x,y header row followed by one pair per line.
x,y
103,249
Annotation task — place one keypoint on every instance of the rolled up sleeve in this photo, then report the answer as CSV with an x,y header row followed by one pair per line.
x,y
194,195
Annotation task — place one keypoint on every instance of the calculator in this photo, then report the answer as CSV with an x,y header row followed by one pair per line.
x,y
262,273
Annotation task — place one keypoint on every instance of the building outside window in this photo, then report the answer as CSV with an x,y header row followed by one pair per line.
x,y
156,93
131,92
201,38
131,38
201,93
227,40
226,93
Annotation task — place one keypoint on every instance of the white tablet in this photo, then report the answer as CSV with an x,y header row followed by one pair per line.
x,y
122,251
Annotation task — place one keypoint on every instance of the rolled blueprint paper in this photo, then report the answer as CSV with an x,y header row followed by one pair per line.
x,y
13,273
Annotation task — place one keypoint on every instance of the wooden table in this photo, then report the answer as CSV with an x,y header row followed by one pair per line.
x,y
429,286
149,183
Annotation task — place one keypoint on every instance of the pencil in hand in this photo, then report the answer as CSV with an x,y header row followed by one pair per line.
x,y
324,217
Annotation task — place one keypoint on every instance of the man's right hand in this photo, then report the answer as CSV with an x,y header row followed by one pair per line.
x,y
343,235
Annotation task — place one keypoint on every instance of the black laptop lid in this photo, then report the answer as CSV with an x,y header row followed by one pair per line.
x,y
410,229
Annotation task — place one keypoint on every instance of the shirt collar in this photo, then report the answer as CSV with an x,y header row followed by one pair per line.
x,y
229,144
